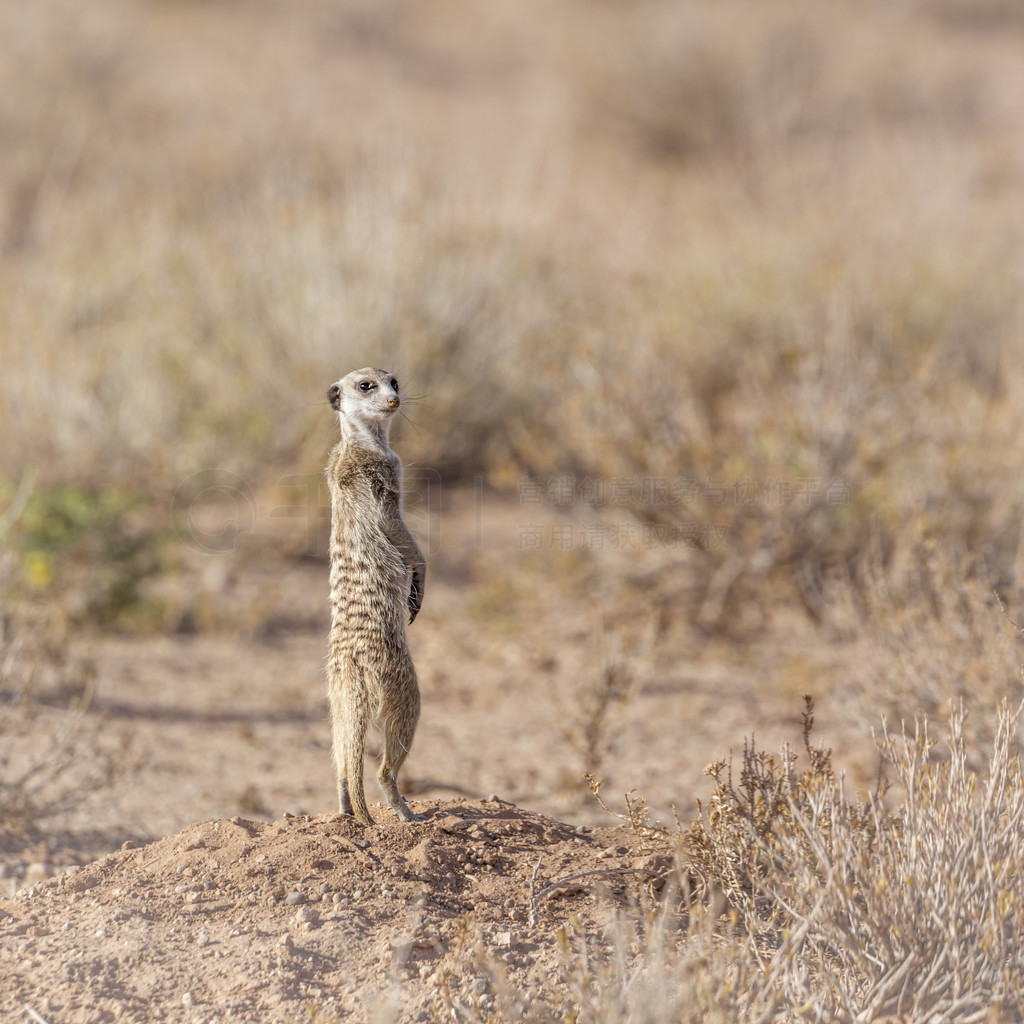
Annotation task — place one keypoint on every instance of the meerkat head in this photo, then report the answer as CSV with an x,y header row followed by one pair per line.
x,y
365,401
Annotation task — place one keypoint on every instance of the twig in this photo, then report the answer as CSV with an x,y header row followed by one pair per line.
x,y
533,901
1006,614
35,1015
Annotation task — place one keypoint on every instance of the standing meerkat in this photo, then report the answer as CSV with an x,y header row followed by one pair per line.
x,y
377,577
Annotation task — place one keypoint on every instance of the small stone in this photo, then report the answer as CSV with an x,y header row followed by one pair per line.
x,y
128,844
293,899
80,882
188,999
286,941
325,887
493,798
307,916
503,938
357,894
202,938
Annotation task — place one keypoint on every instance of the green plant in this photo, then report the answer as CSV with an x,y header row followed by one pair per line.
x,y
84,545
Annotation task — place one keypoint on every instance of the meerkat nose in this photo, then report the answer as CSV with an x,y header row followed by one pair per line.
x,y
393,403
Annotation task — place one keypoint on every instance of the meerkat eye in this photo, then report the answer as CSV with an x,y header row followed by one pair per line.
x,y
365,385
394,383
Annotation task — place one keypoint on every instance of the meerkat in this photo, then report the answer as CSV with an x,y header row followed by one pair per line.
x,y
377,578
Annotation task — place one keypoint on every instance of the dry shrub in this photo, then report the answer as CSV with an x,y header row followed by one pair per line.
x,y
788,418
207,339
907,911
643,968
54,757
940,631
735,84
590,711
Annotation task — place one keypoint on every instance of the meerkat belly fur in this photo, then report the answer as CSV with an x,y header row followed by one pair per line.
x,y
377,580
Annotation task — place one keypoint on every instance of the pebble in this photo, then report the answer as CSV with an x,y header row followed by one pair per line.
x,y
80,882
325,887
293,899
307,916
357,894
188,999
202,938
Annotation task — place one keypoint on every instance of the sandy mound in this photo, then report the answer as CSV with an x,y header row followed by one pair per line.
x,y
305,917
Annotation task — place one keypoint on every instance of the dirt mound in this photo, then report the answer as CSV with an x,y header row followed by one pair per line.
x,y
303,918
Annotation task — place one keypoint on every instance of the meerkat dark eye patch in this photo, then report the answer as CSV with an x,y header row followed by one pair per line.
x,y
334,396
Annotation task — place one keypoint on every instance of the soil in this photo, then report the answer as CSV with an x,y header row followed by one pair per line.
x,y
233,919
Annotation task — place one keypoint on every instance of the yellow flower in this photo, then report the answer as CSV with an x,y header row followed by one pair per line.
x,y
38,569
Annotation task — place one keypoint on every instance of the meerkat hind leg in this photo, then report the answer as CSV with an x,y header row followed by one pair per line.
x,y
389,784
344,800
396,747
349,723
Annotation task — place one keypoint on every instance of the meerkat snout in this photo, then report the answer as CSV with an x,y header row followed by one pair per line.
x,y
393,403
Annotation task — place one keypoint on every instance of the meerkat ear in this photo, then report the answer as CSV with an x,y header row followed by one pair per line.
x,y
334,396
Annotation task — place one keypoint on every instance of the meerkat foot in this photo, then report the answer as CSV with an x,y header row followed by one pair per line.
x,y
397,801
403,812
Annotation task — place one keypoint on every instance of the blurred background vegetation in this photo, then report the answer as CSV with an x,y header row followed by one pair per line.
x,y
703,249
